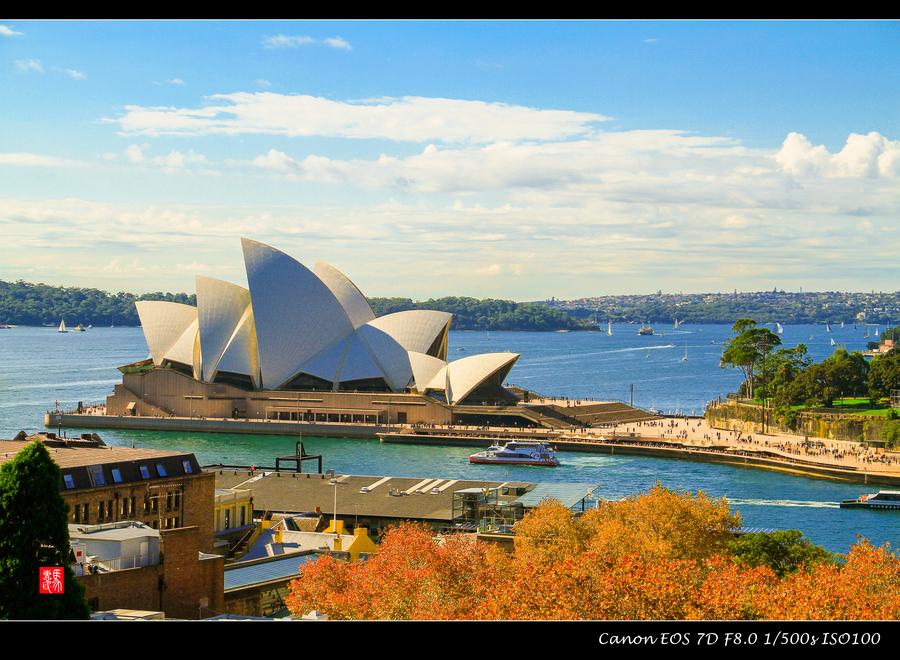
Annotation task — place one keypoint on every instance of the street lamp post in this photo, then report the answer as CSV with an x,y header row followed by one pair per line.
x,y
334,482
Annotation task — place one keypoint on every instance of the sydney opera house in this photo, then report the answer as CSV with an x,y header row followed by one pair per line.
x,y
305,345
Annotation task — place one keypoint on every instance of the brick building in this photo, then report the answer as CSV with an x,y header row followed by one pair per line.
x,y
166,491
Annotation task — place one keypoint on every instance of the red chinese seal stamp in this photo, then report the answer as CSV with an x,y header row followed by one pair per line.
x,y
52,580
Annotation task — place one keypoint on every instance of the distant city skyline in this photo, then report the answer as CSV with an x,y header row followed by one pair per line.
x,y
508,159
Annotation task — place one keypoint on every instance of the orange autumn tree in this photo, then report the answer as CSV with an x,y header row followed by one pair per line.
x,y
411,577
660,555
658,524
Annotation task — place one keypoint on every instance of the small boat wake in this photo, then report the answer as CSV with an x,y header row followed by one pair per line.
x,y
805,503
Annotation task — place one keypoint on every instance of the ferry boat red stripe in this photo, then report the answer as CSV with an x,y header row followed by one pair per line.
x,y
473,459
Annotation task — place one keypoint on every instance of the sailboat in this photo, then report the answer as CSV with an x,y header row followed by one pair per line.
x,y
867,335
832,341
684,359
876,331
827,327
778,328
62,326
842,324
609,328
677,324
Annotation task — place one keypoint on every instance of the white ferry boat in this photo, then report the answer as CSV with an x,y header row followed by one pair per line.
x,y
883,499
517,452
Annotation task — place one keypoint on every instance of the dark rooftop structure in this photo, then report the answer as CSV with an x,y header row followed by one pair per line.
x,y
90,465
371,500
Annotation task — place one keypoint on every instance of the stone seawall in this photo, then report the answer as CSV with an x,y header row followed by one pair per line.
x,y
735,416
253,427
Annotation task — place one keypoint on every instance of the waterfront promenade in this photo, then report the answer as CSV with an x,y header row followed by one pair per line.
x,y
669,437
696,432
694,439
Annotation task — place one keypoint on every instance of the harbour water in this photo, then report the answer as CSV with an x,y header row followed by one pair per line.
x,y
39,366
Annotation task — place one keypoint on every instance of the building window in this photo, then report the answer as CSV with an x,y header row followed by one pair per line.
x,y
131,509
101,508
155,524
177,501
116,475
109,509
154,503
145,472
146,504
187,467
176,521
168,501
70,481
96,473
161,470
243,516
227,518
85,513
76,513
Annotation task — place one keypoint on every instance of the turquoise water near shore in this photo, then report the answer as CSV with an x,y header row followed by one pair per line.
x,y
39,366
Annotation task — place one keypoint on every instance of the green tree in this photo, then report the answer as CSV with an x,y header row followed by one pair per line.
x,y
884,375
783,551
748,350
890,433
34,533
781,368
813,387
846,372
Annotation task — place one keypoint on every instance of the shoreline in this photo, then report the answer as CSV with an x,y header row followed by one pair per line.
x,y
656,446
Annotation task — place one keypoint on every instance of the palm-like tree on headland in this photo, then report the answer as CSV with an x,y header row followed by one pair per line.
x,y
748,348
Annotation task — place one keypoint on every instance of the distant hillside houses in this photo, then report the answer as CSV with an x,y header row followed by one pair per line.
x,y
784,307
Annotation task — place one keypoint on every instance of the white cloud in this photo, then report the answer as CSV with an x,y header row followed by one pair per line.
x,y
75,74
23,159
285,41
178,82
337,42
862,157
262,82
135,152
173,162
29,65
411,118
6,31
523,251
295,41
626,163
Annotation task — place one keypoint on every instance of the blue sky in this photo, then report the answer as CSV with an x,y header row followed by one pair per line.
x,y
514,159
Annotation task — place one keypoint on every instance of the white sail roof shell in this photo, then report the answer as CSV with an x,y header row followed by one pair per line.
x,y
292,320
387,354
415,329
348,294
221,306
358,363
425,368
164,323
297,316
241,356
460,377
185,349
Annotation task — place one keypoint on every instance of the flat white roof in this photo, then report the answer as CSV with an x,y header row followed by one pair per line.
x,y
120,531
